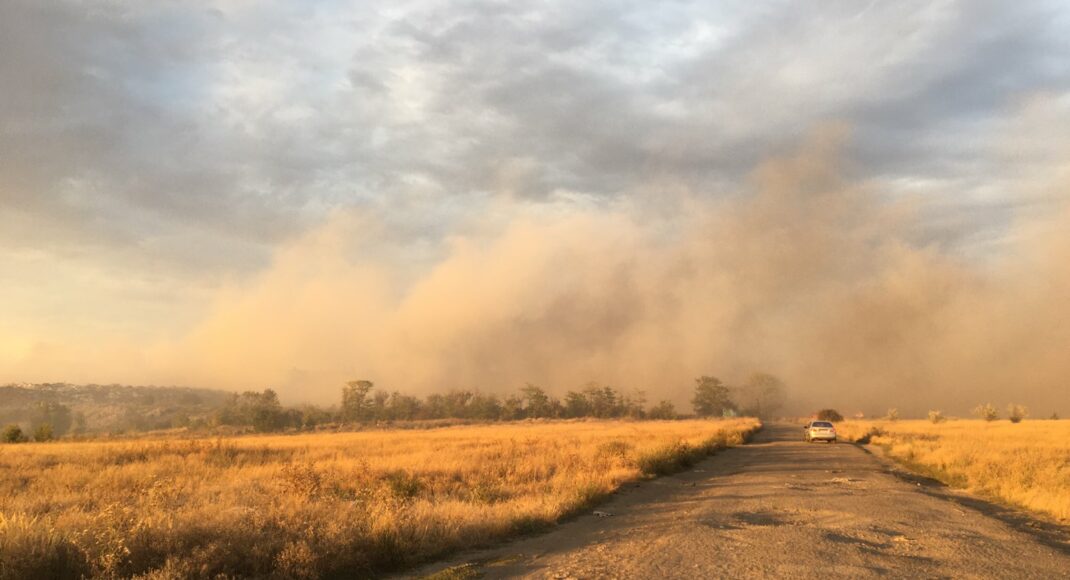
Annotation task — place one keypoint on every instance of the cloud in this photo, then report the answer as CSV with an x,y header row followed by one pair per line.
x,y
244,123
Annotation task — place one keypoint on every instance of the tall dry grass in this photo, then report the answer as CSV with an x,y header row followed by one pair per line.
x,y
1025,464
317,505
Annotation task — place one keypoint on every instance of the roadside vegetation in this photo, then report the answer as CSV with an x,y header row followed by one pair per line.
x,y
55,411
1021,462
318,505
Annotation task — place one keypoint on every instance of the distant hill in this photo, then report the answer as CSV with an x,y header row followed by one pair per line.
x,y
108,408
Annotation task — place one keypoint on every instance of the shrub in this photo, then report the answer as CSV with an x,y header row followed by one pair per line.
x,y
302,480
937,417
893,414
829,415
12,434
297,560
1054,417
663,410
403,484
987,412
1016,413
868,436
43,433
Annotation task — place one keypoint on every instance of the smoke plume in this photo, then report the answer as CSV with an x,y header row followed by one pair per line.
x,y
820,281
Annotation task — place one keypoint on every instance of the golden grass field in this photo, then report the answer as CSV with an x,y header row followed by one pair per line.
x,y
1025,464
317,505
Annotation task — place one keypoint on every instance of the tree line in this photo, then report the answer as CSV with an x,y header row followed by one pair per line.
x,y
362,403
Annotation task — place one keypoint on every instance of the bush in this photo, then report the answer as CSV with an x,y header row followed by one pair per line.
x,y
663,410
937,417
893,414
867,438
829,415
1016,413
43,433
12,434
987,412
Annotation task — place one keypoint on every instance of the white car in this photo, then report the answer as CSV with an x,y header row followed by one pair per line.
x,y
820,431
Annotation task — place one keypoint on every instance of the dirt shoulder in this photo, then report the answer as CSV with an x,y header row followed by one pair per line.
x,y
780,507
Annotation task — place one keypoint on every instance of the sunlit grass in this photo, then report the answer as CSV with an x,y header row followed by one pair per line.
x,y
1025,464
346,504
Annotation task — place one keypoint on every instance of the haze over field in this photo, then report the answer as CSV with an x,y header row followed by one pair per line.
x,y
437,196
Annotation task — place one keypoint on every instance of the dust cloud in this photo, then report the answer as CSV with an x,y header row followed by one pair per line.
x,y
805,275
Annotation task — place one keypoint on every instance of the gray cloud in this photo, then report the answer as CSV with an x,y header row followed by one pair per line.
x,y
190,139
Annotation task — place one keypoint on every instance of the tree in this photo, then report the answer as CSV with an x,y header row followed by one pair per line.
x,y
512,408
355,403
576,405
712,397
43,432
986,412
262,411
936,416
602,402
267,412
12,434
761,395
434,406
405,407
829,415
663,410
892,415
56,415
536,402
311,416
457,404
1016,413
378,404
633,405
485,407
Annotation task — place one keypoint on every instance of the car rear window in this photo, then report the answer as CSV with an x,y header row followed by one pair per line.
x,y
822,424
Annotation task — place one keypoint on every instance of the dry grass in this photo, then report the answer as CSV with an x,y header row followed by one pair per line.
x,y
318,505
1025,464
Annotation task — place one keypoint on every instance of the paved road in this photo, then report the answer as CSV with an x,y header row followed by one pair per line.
x,y
781,508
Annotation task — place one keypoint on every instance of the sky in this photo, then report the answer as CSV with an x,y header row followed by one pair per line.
x,y
241,194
